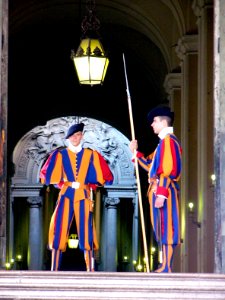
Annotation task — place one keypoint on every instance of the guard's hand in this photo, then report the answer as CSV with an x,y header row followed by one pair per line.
x,y
133,145
159,202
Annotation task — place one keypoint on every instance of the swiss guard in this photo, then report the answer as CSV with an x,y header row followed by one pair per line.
x,y
76,171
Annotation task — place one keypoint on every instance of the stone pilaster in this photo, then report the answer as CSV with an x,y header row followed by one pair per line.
x,y
188,54
219,133
172,86
203,9
3,126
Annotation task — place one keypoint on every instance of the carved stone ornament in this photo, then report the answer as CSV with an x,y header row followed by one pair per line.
x,y
34,201
109,201
34,148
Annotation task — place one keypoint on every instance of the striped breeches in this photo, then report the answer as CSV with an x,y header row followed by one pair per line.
x,y
168,227
66,209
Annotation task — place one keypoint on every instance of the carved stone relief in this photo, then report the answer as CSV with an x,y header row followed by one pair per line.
x,y
34,148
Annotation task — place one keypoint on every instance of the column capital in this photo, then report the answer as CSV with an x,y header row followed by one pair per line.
x,y
186,45
111,201
35,201
172,82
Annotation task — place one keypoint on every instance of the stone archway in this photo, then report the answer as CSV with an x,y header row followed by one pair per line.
x,y
28,157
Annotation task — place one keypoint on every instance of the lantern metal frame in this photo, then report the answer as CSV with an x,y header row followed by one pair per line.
x,y
90,59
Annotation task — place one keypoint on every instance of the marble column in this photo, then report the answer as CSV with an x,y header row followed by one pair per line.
x,y
11,253
135,229
187,52
35,233
97,213
219,133
111,234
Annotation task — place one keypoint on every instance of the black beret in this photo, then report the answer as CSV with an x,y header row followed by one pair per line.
x,y
74,128
160,111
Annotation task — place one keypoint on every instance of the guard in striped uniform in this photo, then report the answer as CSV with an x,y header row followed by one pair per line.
x,y
75,170
164,170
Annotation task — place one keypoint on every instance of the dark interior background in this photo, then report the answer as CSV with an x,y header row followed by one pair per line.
x,y
43,83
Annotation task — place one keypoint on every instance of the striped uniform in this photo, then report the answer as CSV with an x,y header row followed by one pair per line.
x,y
164,170
63,168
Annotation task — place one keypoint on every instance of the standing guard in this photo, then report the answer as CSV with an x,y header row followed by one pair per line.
x,y
76,171
164,171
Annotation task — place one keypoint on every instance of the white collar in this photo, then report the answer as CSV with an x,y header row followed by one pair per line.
x,y
164,132
74,149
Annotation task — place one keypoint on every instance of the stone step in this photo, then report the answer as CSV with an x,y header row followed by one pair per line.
x,y
66,285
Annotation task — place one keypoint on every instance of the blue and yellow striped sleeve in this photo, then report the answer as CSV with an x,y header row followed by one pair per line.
x,y
51,172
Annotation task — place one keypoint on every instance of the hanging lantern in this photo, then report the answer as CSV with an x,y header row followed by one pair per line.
x,y
90,59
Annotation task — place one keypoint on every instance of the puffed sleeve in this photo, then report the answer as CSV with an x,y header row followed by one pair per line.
x,y
107,174
100,173
51,172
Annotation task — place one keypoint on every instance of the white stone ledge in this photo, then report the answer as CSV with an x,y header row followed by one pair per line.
x,y
35,285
